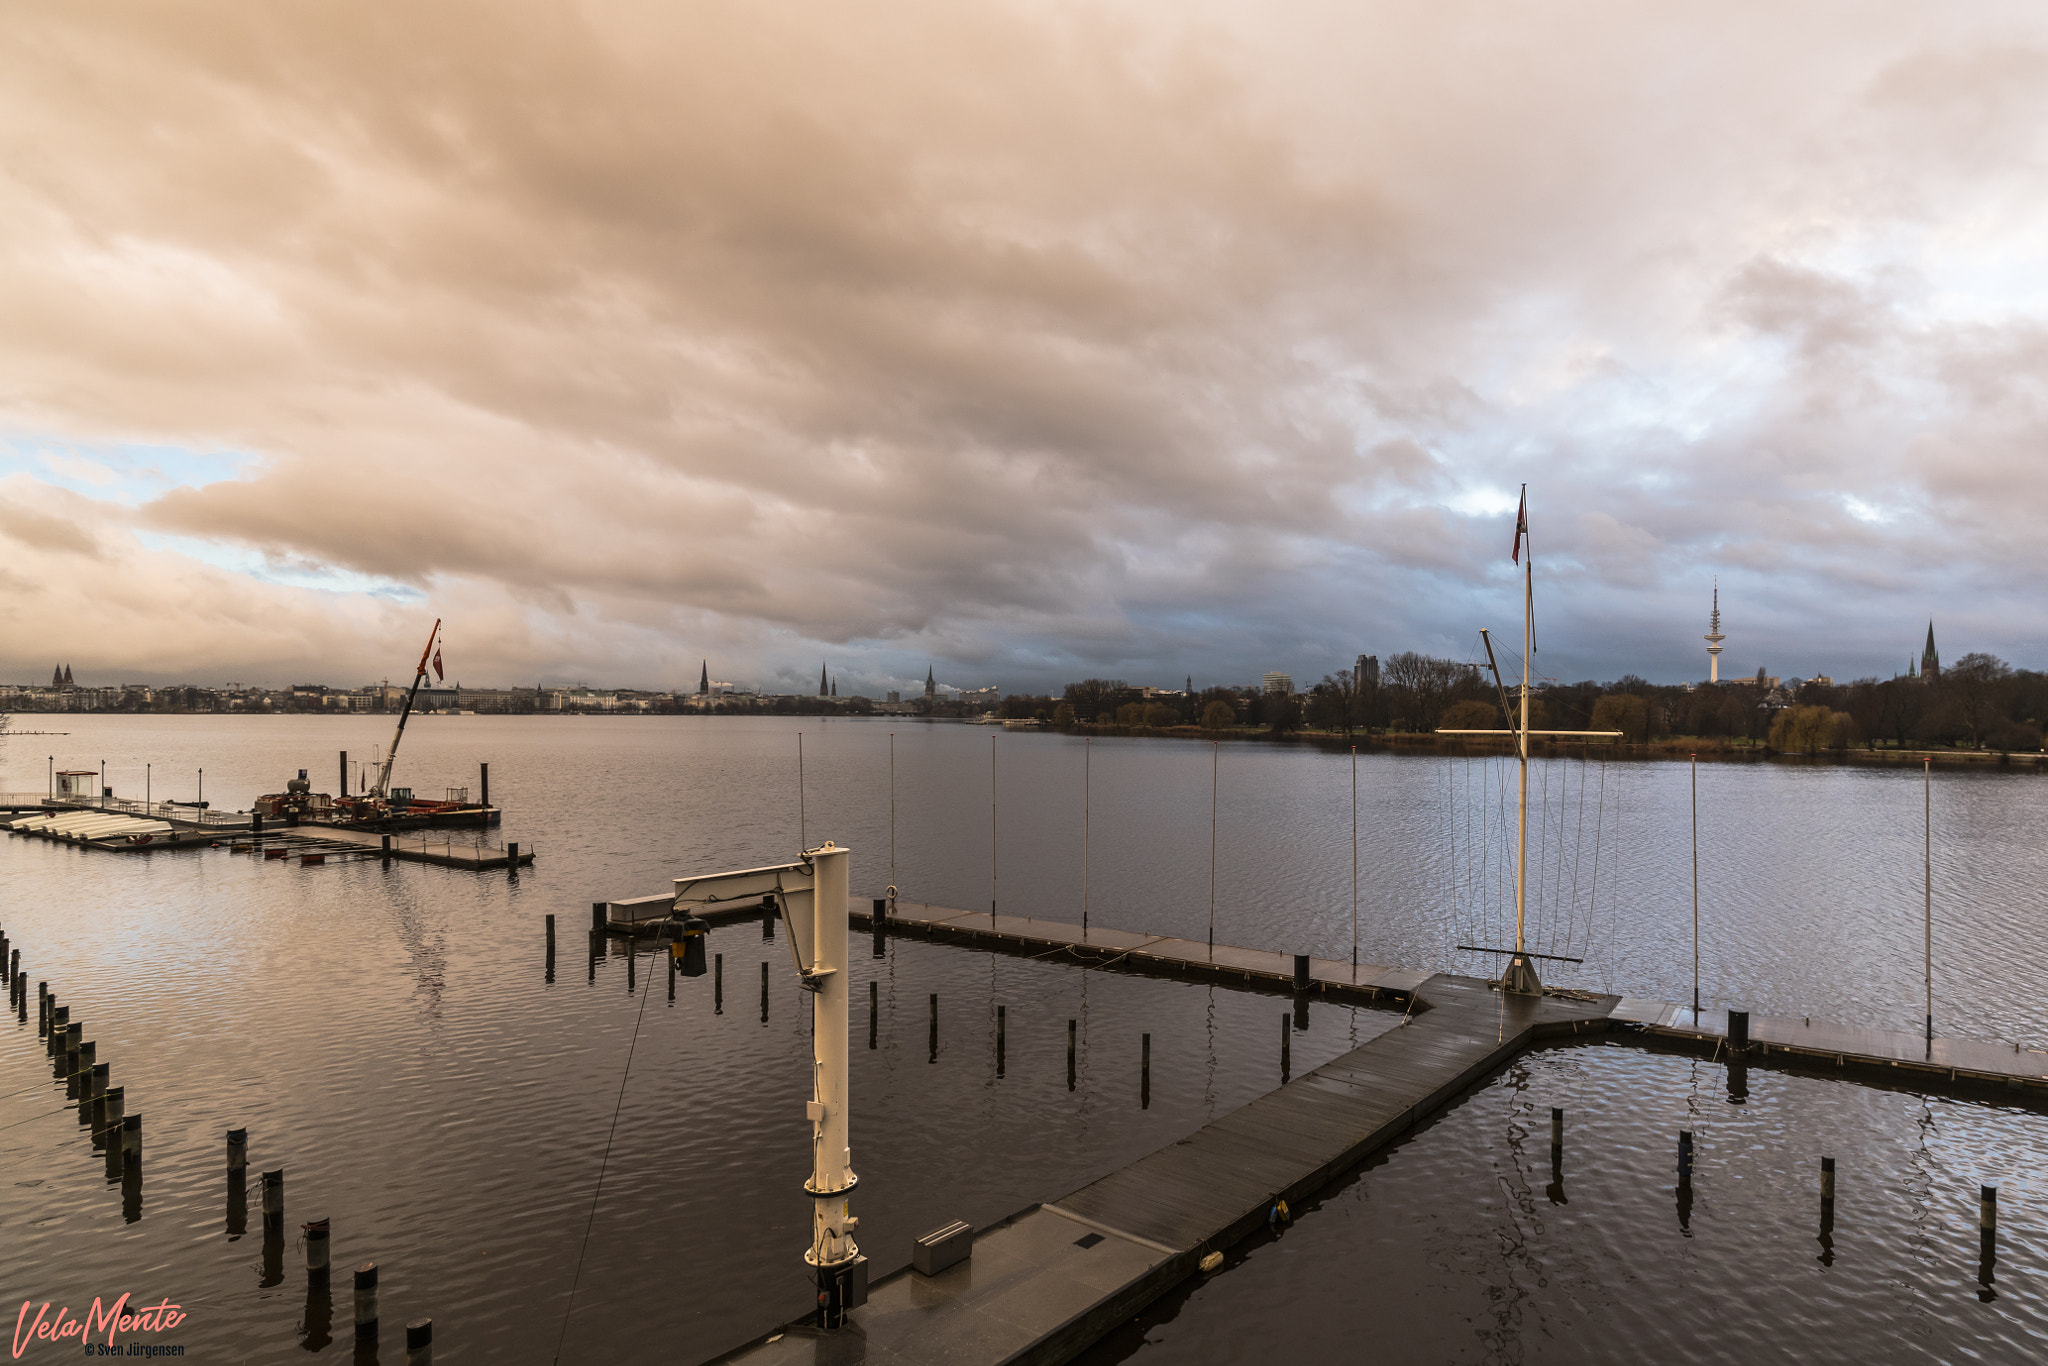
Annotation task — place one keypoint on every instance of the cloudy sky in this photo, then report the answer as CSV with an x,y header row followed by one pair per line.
x,y
1034,340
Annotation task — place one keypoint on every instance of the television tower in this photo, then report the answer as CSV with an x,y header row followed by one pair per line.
x,y
1714,636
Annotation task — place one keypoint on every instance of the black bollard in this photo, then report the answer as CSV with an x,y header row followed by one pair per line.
x,y
385,850
512,857
317,1235
1000,1022
874,1011
1144,1071
1286,1048
1738,1030
1071,1027
597,925
1301,972
764,993
419,1343
366,1300
718,984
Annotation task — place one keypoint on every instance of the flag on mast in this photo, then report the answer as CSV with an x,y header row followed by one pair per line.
x,y
1521,525
439,672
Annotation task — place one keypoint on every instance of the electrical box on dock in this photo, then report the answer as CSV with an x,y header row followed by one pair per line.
x,y
943,1247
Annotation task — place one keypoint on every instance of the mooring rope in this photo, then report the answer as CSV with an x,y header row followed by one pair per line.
x,y
570,1307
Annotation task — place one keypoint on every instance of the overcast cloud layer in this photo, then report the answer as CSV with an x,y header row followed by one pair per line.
x,y
1035,340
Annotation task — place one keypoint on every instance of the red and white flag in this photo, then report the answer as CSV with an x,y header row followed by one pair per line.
x,y
1521,525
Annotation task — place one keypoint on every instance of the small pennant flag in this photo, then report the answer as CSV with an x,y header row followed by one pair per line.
x,y
1521,525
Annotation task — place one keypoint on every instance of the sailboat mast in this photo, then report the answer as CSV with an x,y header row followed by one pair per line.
x,y
1522,738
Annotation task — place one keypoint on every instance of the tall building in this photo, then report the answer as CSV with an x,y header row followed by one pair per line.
x,y
1280,683
1367,672
1714,636
1930,661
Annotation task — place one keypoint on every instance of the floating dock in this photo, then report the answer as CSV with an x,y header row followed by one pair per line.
x,y
1045,1284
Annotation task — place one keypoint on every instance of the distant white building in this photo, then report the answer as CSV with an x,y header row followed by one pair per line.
x,y
1279,683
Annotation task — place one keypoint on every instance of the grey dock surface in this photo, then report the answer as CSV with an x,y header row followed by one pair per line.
x,y
1046,1283
1137,951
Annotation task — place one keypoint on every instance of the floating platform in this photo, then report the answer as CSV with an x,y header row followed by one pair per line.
x,y
316,842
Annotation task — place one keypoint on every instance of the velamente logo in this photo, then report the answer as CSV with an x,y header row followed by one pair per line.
x,y
108,1320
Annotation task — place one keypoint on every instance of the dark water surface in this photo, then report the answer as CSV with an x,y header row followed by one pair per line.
x,y
1465,1244
388,1037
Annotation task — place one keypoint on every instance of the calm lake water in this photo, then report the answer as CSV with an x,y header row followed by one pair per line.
x,y
389,1038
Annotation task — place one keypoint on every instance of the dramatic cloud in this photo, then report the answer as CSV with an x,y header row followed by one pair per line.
x,y
1039,340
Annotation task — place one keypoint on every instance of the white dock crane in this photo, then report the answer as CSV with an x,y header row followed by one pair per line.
x,y
812,894
379,789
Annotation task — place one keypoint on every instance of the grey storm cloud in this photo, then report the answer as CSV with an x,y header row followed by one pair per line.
x,y
1043,340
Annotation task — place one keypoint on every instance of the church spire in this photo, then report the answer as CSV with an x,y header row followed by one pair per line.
x,y
1930,660
704,678
824,683
931,686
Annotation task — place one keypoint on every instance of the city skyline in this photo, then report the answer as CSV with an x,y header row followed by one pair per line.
x,y
1044,343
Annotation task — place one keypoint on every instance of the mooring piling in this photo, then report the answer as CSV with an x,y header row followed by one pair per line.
x,y
131,1138
934,1056
1827,1211
874,1010
551,946
419,1343
1301,976
671,979
1685,1157
1072,1026
512,858
1987,1241
78,1085
1000,1023
273,1197
1144,1071
1827,1181
366,1300
317,1240
880,923
718,984
483,781
1286,1048
764,993
1738,1031
1557,1126
597,918
632,961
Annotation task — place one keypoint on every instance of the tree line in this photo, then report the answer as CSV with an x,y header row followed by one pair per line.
x,y
1980,702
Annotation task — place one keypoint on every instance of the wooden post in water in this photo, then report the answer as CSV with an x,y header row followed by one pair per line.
x,y
238,1153
935,1029
366,1300
671,978
512,857
343,790
874,1009
318,1232
1000,1023
1987,1241
1685,1158
483,785
1071,1026
1145,1072
419,1343
1286,1047
718,984
597,917
273,1197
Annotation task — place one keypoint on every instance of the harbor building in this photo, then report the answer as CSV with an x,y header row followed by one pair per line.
x,y
1280,683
